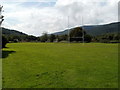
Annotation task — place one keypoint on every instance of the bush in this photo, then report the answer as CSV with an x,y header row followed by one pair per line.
x,y
4,41
52,37
88,38
44,37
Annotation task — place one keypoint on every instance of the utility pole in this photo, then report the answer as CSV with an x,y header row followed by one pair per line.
x,y
82,30
68,31
1,20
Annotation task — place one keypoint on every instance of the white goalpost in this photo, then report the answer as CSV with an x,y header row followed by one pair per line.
x,y
83,36
68,31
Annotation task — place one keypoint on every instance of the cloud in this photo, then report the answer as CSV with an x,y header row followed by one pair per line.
x,y
93,12
35,18
28,1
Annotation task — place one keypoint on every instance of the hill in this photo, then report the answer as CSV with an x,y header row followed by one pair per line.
x,y
15,36
95,30
6,31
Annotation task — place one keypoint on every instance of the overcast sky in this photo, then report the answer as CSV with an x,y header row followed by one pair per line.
x,y
37,16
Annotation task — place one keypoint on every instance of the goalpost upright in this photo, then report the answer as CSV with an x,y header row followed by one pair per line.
x,y
82,31
68,31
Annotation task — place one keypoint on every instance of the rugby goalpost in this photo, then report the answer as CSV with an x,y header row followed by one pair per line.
x,y
83,36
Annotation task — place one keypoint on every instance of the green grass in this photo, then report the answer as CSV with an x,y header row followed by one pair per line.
x,y
60,65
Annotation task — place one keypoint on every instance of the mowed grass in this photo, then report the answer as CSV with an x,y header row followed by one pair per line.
x,y
60,65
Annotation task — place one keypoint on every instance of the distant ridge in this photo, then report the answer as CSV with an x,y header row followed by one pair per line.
x,y
6,31
95,30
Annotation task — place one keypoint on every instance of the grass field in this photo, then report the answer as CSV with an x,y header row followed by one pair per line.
x,y
60,65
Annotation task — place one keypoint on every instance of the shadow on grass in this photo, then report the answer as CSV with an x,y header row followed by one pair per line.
x,y
6,53
6,47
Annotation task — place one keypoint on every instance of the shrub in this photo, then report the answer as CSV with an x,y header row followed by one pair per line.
x,y
4,41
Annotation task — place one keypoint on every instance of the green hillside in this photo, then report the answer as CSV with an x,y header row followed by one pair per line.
x,y
95,30
15,36
6,31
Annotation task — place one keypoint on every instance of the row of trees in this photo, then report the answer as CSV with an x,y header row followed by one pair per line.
x,y
20,38
107,38
77,34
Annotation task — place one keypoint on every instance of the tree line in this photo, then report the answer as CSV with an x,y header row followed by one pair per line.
x,y
76,35
108,38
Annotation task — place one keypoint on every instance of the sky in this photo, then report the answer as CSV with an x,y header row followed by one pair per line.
x,y
35,17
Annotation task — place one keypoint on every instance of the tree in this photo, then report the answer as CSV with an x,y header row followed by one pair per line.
x,y
4,41
52,37
62,37
108,38
31,38
88,38
44,37
117,36
76,34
